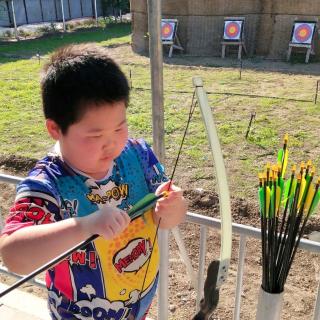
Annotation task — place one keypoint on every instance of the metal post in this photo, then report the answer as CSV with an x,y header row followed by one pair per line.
x,y
25,11
202,260
14,21
81,9
96,12
55,9
41,8
316,314
156,62
242,254
184,256
63,18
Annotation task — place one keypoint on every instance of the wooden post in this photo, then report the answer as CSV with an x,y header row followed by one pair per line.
x,y
156,62
317,90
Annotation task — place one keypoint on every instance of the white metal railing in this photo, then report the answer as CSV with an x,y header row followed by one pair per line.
x,y
243,231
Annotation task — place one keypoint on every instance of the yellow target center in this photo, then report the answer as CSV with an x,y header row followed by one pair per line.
x,y
303,33
232,30
166,30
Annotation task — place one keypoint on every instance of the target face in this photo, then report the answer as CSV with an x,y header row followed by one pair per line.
x,y
232,30
303,32
167,30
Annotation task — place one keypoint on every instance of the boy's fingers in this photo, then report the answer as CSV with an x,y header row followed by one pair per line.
x,y
163,187
123,219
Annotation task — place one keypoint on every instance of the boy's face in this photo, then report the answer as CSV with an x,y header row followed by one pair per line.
x,y
91,144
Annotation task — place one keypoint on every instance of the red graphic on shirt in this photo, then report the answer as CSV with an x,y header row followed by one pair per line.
x,y
82,258
132,257
31,209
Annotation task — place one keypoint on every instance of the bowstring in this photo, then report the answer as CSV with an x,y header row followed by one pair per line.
x,y
191,110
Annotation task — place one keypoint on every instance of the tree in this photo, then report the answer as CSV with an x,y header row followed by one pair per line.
x,y
115,7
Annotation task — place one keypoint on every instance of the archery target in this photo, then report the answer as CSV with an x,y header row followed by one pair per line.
x,y
167,30
303,32
232,29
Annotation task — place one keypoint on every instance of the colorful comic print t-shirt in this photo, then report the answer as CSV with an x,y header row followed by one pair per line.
x,y
103,280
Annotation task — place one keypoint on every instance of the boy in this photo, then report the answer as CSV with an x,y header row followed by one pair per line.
x,y
85,188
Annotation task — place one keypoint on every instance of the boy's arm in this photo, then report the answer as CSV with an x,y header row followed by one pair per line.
x,y
30,247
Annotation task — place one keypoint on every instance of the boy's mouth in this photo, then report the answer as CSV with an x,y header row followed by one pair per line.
x,y
106,158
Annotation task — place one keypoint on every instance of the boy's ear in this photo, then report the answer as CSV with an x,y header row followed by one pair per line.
x,y
53,129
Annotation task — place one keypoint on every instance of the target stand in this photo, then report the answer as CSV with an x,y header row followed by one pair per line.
x,y
233,35
169,35
302,36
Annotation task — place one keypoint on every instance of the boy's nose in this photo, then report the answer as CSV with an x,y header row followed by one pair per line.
x,y
108,144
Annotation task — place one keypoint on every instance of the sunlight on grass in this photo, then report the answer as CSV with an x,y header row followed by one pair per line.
x,y
232,100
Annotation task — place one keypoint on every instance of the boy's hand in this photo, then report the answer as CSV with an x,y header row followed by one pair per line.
x,y
171,209
107,222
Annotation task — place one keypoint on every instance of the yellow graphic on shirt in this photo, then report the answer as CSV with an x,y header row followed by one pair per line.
x,y
124,259
104,194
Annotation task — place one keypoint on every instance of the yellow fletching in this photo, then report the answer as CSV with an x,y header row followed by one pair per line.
x,y
309,198
285,162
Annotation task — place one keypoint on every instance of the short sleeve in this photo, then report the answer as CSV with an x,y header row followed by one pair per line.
x,y
34,204
153,170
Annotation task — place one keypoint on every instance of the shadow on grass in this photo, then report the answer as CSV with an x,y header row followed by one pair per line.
x,y
296,65
25,49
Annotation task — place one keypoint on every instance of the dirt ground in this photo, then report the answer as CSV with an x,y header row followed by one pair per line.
x,y
300,290
301,287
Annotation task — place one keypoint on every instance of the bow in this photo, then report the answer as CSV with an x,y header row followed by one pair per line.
x,y
217,270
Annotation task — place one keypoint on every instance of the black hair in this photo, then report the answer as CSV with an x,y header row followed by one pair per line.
x,y
77,77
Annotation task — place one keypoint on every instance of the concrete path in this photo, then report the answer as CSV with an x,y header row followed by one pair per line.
x,y
19,305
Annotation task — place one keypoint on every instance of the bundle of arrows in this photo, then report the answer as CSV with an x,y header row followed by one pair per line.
x,y
285,207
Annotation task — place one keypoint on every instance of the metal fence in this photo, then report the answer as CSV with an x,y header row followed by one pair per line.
x,y
205,223
21,12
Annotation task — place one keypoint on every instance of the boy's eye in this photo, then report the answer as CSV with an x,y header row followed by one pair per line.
x,y
95,137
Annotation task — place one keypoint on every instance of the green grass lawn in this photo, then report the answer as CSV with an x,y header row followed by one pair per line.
x,y
282,102
112,34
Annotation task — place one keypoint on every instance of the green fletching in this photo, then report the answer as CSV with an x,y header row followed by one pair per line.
x,y
261,201
286,195
143,205
280,157
292,193
286,191
315,202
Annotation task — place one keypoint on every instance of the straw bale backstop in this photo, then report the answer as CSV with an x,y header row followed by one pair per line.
x,y
267,28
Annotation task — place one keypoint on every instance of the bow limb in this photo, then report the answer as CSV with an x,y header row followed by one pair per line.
x,y
217,270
